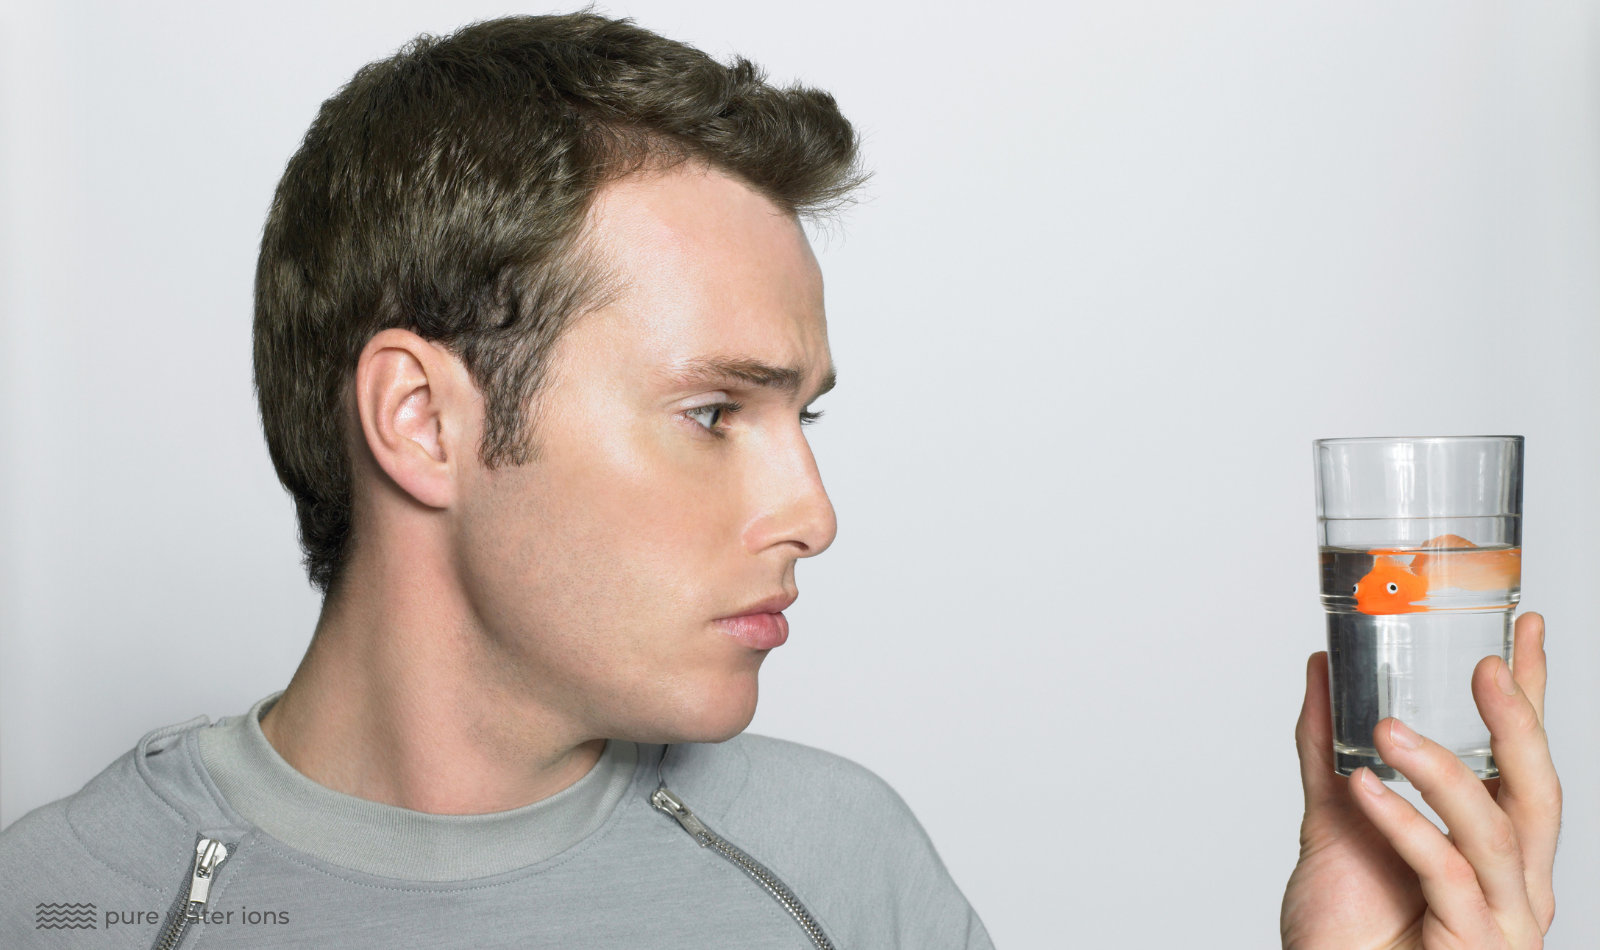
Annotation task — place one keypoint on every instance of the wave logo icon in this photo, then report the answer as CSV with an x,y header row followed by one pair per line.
x,y
64,917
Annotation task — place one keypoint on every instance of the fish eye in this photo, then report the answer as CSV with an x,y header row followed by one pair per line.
x,y
1355,589
1394,588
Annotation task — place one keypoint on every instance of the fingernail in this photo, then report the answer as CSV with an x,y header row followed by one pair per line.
x,y
1502,679
1402,736
1371,784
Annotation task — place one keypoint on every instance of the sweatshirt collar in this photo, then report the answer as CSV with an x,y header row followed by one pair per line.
x,y
395,842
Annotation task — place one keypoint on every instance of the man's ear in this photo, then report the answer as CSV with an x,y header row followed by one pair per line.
x,y
416,404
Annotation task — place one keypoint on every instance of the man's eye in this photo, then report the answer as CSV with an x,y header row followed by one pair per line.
x,y
807,416
716,410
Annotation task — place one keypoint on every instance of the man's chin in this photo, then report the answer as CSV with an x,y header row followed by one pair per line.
x,y
708,714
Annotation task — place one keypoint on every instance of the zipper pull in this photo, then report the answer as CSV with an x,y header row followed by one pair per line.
x,y
665,801
208,853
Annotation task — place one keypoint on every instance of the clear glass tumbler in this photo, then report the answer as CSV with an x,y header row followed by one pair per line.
x,y
1420,543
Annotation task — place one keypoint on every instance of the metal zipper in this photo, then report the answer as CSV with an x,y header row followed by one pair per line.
x,y
672,805
208,853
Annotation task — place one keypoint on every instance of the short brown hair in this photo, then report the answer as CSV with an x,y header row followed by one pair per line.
x,y
443,190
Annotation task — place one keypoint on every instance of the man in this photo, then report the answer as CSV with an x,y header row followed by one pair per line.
x,y
537,331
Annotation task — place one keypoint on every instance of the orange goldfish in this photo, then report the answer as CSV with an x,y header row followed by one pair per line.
x,y
1394,588
1389,588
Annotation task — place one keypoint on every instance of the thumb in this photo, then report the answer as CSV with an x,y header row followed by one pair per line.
x,y
1313,738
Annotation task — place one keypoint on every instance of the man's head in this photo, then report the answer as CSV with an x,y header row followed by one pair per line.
x,y
509,287
445,191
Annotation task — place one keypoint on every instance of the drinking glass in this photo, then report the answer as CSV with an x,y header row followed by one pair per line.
x,y
1420,544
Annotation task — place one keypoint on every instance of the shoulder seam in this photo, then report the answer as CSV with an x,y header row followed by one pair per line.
x,y
78,838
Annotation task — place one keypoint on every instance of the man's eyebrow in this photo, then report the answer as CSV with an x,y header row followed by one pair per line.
x,y
753,372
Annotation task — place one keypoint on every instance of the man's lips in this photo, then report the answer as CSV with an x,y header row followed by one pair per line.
x,y
761,625
761,631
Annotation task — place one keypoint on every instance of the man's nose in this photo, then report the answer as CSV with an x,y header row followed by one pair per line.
x,y
795,505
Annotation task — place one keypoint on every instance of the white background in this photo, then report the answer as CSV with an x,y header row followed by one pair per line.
x,y
1120,264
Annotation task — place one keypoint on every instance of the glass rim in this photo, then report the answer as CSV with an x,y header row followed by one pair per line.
x,y
1355,440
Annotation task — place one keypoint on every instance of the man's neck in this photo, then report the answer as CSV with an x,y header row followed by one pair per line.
x,y
395,702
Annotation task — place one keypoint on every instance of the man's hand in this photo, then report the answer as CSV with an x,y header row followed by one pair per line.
x,y
1374,872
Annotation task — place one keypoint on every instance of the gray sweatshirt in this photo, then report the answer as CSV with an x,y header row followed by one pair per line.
x,y
204,836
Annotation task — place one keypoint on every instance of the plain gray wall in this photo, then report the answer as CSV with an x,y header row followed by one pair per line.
x,y
1120,264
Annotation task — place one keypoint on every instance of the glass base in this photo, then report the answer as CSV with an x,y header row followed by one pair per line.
x,y
1346,761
